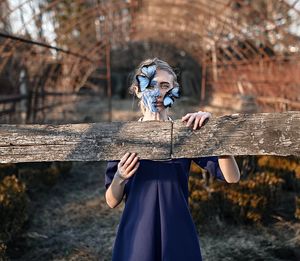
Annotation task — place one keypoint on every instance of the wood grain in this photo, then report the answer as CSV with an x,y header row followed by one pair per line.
x,y
237,134
84,142
240,134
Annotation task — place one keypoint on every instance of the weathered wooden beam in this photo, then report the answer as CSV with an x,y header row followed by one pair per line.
x,y
241,134
237,134
84,142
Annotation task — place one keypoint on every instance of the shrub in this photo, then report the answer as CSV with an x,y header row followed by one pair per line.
x,y
13,194
297,211
13,209
253,199
42,174
3,256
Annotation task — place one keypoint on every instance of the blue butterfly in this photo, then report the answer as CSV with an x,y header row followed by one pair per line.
x,y
170,95
146,79
144,82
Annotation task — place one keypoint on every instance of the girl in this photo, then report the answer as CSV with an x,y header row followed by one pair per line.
x,y
156,223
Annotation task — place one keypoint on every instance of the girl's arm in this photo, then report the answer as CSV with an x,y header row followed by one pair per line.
x,y
229,168
114,193
126,168
227,164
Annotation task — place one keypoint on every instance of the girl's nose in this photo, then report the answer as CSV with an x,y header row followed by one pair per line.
x,y
162,93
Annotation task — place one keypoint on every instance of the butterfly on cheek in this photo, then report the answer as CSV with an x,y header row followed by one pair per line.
x,y
170,96
149,98
145,82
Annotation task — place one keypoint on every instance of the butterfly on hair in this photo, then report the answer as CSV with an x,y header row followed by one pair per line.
x,y
146,78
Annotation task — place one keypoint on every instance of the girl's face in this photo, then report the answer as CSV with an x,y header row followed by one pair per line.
x,y
164,82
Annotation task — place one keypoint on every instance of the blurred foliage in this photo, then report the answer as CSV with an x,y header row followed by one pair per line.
x,y
267,189
16,183
40,175
297,212
3,252
13,209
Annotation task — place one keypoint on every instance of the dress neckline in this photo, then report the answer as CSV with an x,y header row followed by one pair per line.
x,y
169,119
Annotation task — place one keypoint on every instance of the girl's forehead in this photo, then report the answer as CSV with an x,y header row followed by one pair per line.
x,y
163,76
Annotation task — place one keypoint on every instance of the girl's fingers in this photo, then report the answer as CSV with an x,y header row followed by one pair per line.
x,y
124,158
132,164
191,119
203,118
129,160
184,118
196,123
133,171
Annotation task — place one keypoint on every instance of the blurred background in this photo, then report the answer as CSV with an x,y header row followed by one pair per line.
x,y
64,61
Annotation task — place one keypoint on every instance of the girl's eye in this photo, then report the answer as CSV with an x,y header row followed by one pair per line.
x,y
164,86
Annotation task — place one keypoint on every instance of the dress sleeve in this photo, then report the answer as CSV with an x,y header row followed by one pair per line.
x,y
112,167
211,164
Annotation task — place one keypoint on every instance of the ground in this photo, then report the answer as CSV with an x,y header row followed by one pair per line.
x,y
71,220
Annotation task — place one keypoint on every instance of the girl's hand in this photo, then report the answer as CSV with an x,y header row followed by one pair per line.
x,y
196,119
127,165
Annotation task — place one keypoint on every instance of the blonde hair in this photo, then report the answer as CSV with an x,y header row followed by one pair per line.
x,y
160,65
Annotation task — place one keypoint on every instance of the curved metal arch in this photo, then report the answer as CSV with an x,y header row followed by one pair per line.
x,y
203,8
164,30
238,32
53,4
153,36
206,10
207,38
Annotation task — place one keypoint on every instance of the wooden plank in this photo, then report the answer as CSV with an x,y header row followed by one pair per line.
x,y
237,134
240,134
84,142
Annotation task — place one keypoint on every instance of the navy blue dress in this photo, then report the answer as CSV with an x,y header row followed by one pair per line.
x,y
156,224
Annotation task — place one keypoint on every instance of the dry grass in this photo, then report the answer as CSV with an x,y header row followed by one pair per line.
x,y
71,221
228,242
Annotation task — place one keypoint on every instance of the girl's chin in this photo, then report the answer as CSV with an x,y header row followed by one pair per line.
x,y
160,108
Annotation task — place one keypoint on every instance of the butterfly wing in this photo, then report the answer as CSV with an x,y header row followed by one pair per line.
x,y
175,92
153,83
149,71
168,101
143,82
